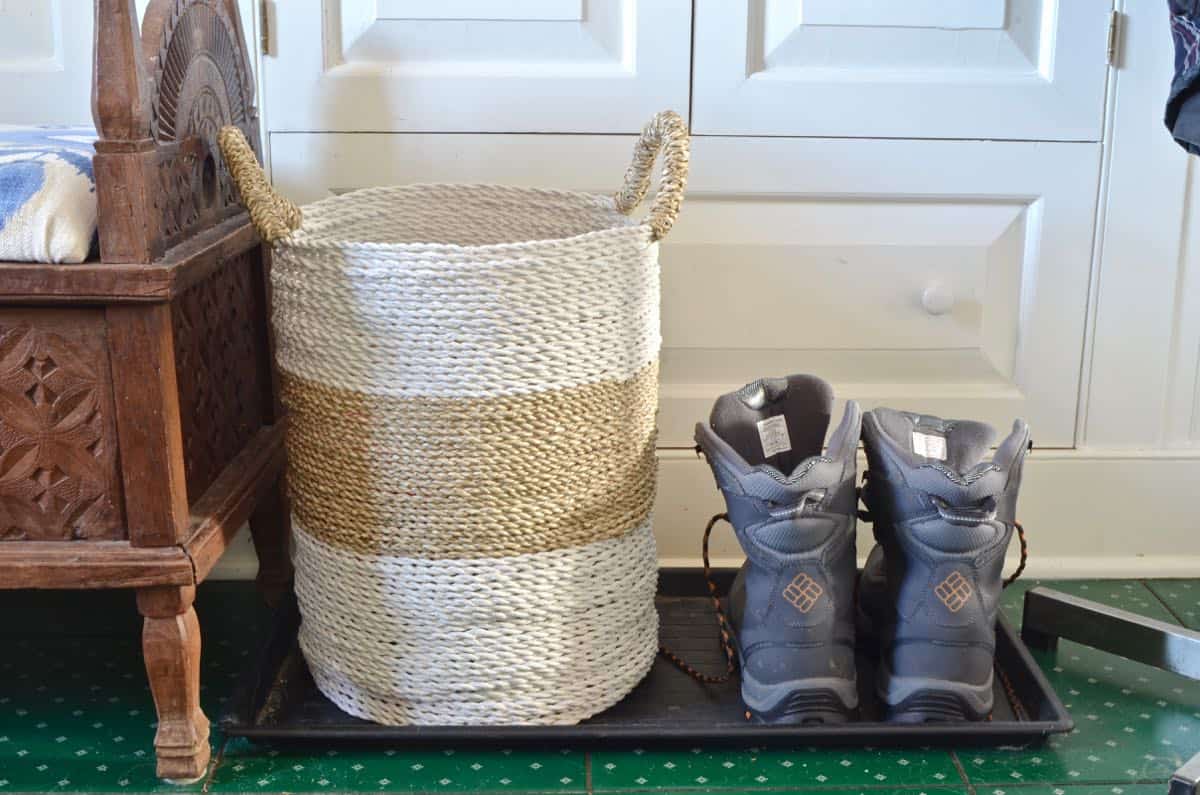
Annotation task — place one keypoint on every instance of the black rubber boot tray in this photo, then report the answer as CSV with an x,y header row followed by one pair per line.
x,y
278,701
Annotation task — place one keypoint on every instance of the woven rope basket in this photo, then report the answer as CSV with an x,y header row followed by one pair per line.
x,y
471,375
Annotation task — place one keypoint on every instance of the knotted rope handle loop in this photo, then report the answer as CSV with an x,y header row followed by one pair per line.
x,y
272,215
666,133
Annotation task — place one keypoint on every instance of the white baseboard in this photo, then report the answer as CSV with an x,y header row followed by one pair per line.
x,y
1087,513
239,561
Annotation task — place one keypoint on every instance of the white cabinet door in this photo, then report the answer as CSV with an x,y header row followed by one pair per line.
x,y
45,62
997,69
945,277
46,58
476,65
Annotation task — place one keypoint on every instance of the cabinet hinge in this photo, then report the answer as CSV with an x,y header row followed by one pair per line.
x,y
1114,38
264,13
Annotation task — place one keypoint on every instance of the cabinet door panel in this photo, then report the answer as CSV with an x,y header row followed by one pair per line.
x,y
1020,69
46,59
474,66
45,62
944,277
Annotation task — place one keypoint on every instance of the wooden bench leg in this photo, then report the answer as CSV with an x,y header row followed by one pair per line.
x,y
271,528
171,646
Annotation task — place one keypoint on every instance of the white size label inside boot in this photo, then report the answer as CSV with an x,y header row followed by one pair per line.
x,y
773,434
929,446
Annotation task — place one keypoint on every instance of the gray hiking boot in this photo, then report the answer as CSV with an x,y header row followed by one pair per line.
x,y
943,515
793,510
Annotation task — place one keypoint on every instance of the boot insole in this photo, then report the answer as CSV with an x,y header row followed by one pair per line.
x,y
775,421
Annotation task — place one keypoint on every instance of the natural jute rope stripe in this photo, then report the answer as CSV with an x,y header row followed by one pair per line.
x,y
404,476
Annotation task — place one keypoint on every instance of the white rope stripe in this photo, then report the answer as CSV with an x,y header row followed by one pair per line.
x,y
588,669
405,320
439,221
520,579
547,636
560,710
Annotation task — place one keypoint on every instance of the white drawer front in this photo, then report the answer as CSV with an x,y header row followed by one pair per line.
x,y
945,277
476,65
1019,69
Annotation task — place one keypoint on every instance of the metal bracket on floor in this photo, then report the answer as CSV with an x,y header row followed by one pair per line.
x,y
1186,780
1050,615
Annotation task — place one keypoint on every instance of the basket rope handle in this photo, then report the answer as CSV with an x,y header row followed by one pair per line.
x,y
666,133
273,215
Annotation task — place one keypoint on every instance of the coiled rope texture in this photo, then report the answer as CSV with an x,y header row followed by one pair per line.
x,y
471,377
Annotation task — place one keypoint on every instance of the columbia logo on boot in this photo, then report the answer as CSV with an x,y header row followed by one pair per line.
x,y
803,592
954,591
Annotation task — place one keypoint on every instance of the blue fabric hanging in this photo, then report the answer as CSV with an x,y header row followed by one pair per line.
x,y
47,194
1183,104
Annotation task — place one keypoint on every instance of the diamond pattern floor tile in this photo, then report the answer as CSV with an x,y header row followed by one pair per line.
x,y
833,768
1077,789
247,768
1133,723
851,791
1129,595
1182,597
76,715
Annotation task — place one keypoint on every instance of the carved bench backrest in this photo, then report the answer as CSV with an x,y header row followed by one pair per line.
x,y
159,96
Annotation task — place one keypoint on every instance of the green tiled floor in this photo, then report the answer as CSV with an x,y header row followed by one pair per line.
x,y
246,766
1182,597
849,768
76,716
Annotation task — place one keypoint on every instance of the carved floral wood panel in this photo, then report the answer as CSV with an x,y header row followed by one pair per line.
x,y
58,445
221,367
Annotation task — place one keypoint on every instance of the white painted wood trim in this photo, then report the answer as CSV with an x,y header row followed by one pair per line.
x,y
1089,333
1183,388
1143,356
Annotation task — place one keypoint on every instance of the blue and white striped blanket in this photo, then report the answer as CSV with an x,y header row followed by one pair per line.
x,y
47,194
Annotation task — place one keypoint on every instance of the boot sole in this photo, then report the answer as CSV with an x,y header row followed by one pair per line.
x,y
800,701
916,699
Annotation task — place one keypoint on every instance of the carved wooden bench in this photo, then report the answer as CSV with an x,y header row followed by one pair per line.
x,y
139,419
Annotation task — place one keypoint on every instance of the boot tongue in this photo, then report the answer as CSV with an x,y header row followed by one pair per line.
x,y
960,445
779,422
